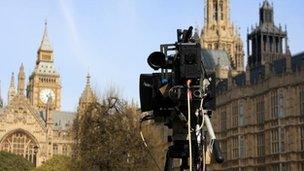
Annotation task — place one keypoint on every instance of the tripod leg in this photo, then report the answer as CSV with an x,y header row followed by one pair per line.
x,y
185,164
169,162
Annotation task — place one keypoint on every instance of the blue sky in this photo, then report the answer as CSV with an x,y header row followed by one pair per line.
x,y
111,39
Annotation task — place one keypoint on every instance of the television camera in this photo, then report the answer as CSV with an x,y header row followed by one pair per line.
x,y
182,96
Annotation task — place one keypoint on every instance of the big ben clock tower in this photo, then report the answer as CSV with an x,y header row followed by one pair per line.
x,y
44,82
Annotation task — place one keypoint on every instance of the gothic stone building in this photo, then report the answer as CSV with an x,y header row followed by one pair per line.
x,y
220,34
260,113
31,124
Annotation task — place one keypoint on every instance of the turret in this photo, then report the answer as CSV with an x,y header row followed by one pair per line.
x,y
1,100
87,97
266,14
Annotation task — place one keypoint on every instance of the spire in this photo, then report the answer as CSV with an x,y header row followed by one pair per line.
x,y
266,5
195,36
12,90
1,100
45,42
88,79
21,80
12,83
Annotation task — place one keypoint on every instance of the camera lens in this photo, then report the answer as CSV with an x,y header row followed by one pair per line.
x,y
197,93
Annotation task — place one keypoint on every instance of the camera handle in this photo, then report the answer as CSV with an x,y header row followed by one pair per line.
x,y
215,143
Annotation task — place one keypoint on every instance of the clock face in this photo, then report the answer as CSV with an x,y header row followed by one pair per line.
x,y
45,94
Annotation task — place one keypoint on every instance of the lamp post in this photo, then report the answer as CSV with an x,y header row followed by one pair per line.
x,y
35,152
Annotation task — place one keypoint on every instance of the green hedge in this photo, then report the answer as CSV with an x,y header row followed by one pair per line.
x,y
58,163
13,162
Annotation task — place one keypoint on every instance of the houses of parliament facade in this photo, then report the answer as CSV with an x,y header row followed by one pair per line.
x,y
259,118
32,124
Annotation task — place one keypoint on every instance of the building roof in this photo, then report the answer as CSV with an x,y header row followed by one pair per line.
x,y
46,68
267,28
61,120
215,58
297,61
45,42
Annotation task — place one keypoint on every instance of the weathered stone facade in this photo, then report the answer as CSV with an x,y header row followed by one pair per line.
x,y
260,113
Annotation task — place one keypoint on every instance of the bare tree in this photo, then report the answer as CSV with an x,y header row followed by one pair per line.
x,y
107,136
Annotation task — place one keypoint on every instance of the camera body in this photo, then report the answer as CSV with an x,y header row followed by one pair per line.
x,y
166,91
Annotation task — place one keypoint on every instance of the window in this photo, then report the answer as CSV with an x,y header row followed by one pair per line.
x,y
261,144
55,149
302,102
270,44
260,109
302,139
281,104
286,166
65,150
260,168
223,121
274,139
241,115
224,46
235,114
224,148
264,43
282,140
235,147
222,10
277,44
274,105
242,147
215,10
276,167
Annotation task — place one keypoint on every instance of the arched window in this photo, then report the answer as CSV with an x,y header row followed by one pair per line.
x,y
21,144
209,46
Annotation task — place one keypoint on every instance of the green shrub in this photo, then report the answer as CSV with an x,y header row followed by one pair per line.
x,y
13,162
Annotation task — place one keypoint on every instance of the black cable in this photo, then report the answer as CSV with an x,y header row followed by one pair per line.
x,y
205,73
149,150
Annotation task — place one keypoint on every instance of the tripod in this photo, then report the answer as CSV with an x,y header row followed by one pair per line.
x,y
182,150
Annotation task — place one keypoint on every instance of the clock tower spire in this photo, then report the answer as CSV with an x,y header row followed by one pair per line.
x,y
44,83
45,51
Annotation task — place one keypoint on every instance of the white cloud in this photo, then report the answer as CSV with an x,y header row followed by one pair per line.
x,y
77,47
